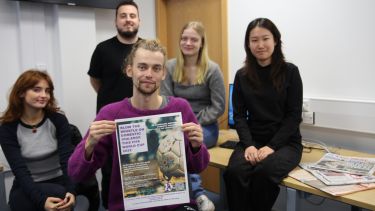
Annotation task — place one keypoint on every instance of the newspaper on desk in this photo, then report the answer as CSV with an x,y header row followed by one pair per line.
x,y
336,190
346,164
337,178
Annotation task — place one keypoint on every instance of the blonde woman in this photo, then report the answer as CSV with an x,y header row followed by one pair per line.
x,y
193,76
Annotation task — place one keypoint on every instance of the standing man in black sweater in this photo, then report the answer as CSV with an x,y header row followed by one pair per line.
x,y
106,66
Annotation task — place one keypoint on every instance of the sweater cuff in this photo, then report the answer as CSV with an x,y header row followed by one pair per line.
x,y
194,150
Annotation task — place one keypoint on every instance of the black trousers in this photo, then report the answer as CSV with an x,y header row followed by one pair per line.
x,y
187,207
255,188
106,181
19,201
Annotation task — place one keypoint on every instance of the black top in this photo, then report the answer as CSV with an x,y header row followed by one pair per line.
x,y
107,65
265,116
12,151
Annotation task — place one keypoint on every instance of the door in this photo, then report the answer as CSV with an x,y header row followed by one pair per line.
x,y
172,15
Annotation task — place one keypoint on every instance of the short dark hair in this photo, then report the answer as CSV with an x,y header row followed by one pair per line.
x,y
127,2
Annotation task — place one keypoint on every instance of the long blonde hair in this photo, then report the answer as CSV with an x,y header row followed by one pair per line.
x,y
202,62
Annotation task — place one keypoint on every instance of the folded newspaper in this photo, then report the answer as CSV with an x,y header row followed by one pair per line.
x,y
336,190
346,164
337,178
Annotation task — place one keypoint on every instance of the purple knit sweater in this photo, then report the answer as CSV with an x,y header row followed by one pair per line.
x,y
80,169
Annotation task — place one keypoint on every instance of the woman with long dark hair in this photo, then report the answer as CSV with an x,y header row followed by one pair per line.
x,y
36,140
267,105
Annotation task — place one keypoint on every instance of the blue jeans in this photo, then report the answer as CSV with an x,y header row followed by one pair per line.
x,y
210,135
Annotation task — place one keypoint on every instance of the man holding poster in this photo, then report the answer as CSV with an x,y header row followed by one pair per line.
x,y
146,67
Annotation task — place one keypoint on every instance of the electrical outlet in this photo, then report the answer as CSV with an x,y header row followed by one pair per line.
x,y
308,117
306,105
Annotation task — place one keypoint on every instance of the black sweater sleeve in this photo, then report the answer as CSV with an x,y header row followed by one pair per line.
x,y
64,146
293,110
12,152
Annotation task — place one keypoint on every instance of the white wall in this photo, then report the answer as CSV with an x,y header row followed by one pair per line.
x,y
61,40
9,51
330,41
76,24
332,44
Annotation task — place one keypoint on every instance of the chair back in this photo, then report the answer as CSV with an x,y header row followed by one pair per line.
x,y
76,134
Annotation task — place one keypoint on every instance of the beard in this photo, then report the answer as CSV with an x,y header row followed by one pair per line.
x,y
127,34
146,92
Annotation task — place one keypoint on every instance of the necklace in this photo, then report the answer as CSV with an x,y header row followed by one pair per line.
x,y
33,126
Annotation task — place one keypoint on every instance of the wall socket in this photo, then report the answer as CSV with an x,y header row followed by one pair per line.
x,y
308,117
306,105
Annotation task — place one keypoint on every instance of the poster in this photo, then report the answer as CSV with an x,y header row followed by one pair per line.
x,y
152,161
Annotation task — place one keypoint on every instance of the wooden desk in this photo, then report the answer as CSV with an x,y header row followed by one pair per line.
x,y
362,199
219,157
213,181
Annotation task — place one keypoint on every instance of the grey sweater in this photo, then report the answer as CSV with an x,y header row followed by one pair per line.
x,y
207,100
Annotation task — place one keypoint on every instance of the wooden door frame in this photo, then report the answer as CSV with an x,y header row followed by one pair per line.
x,y
161,34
